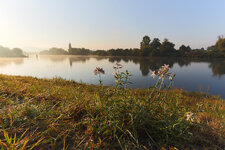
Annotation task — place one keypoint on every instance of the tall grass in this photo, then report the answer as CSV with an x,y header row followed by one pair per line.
x,y
58,114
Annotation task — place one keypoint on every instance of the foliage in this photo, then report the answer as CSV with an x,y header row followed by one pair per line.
x,y
54,51
155,47
145,46
220,44
6,52
184,50
167,48
17,51
122,79
150,48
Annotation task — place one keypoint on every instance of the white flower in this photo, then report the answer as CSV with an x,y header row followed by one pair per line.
x,y
153,74
115,73
190,117
166,66
171,77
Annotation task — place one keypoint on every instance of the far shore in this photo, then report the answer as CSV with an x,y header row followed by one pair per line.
x,y
135,57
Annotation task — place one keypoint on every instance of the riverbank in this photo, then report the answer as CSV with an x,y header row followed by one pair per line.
x,y
57,114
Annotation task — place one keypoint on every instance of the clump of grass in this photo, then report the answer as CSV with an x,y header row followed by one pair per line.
x,y
60,114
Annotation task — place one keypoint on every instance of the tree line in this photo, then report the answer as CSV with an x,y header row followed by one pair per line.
x,y
150,48
15,52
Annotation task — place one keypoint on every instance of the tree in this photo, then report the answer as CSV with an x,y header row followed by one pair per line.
x,y
17,52
184,50
145,41
155,44
220,44
54,51
145,45
167,48
136,52
154,47
211,48
4,51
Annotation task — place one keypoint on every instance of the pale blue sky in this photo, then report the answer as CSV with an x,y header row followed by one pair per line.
x,y
103,24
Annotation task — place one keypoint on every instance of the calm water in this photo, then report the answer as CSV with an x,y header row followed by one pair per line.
x,y
198,75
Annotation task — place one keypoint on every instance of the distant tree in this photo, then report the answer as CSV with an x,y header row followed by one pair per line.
x,y
154,47
188,48
167,48
100,53
136,52
184,50
202,49
211,48
5,52
145,41
145,46
17,51
57,51
220,44
155,44
54,51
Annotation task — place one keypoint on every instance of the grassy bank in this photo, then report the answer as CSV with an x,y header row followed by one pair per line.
x,y
59,114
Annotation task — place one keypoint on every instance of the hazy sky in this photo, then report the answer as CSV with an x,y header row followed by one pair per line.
x,y
35,25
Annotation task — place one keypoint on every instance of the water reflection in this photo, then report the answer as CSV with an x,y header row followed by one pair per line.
x,y
53,58
8,61
77,59
218,68
146,65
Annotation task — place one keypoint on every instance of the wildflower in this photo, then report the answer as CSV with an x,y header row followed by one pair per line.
x,y
171,77
164,70
115,73
166,66
153,75
190,117
99,70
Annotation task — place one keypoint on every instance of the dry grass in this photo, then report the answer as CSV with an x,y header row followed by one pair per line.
x,y
59,114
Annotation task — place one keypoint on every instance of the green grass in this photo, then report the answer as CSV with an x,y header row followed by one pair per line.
x,y
59,114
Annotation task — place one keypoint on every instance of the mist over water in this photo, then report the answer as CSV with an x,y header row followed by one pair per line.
x,y
192,75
